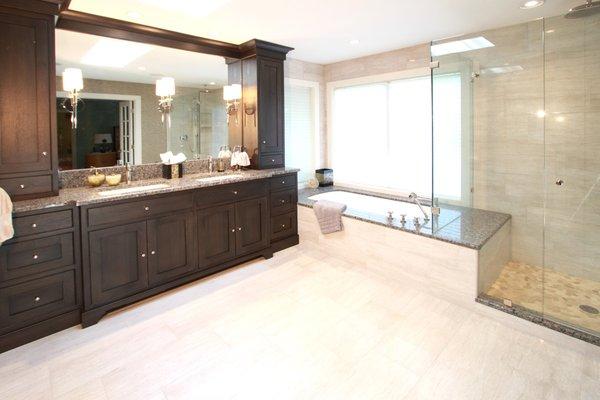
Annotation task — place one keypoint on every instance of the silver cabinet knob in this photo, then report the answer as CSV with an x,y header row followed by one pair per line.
x,y
233,230
22,186
35,256
272,160
283,182
37,299
153,252
44,153
239,228
282,201
143,255
559,182
264,142
283,226
34,225
235,192
147,208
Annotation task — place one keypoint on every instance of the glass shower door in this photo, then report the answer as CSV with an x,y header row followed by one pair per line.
x,y
572,162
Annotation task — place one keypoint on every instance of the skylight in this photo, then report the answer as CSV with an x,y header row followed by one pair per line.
x,y
114,53
460,46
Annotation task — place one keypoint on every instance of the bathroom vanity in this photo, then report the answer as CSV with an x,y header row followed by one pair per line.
x,y
79,252
77,256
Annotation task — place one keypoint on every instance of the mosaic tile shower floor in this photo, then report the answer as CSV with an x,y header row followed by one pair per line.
x,y
550,292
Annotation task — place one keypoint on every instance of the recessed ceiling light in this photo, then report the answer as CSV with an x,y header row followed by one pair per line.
x,y
114,53
142,68
134,15
560,118
212,83
540,113
354,42
532,4
550,31
459,46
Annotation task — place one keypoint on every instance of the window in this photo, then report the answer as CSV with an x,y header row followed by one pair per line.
x,y
301,127
381,134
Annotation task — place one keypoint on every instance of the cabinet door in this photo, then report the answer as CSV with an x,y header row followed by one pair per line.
x,y
270,92
171,247
216,235
25,113
118,262
252,231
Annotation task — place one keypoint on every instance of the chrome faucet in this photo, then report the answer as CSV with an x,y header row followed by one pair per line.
x,y
211,164
413,196
127,173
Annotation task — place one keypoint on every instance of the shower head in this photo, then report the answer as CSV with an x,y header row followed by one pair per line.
x,y
584,10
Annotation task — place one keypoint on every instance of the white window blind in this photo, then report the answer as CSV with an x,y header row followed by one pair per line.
x,y
381,136
300,130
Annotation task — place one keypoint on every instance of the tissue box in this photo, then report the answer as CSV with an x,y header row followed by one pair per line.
x,y
324,176
172,171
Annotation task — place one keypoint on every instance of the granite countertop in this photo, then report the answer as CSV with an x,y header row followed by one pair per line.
x,y
463,226
88,195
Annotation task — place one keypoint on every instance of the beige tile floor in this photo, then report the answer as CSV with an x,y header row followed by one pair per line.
x,y
550,292
302,325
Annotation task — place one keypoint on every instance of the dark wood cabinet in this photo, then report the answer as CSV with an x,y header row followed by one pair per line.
x,y
171,247
263,103
118,262
252,231
27,93
216,235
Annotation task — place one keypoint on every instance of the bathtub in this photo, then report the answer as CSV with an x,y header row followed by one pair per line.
x,y
360,203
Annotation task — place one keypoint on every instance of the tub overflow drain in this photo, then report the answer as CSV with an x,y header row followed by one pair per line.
x,y
589,309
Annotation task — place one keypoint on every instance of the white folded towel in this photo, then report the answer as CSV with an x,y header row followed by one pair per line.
x,y
6,208
243,160
168,158
224,154
329,215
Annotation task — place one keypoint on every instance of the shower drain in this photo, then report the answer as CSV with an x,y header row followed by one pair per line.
x,y
589,309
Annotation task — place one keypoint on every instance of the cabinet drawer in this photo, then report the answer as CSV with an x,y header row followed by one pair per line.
x,y
41,223
37,300
283,202
31,257
284,225
231,193
271,161
282,182
124,212
27,185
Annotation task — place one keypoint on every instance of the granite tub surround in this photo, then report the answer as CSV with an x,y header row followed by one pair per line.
x,y
462,226
86,195
439,267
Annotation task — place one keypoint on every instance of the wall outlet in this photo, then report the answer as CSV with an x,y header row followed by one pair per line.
x,y
507,302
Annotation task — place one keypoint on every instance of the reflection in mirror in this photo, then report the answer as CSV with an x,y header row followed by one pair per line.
x,y
120,115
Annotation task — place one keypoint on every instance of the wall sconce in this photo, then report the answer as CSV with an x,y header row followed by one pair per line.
x,y
165,89
232,95
73,84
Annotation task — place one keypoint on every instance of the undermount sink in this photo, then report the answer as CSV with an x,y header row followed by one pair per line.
x,y
219,178
136,189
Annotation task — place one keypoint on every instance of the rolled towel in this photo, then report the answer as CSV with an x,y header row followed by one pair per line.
x,y
329,215
6,208
243,159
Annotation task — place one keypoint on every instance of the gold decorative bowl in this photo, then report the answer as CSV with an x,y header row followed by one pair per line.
x,y
113,180
96,179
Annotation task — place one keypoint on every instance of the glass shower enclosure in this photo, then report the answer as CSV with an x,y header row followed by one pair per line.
x,y
516,115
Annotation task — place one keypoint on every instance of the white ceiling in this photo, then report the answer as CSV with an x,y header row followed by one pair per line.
x,y
321,30
187,68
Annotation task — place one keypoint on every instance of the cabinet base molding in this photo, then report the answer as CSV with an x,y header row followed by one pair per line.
x,y
285,243
41,329
93,316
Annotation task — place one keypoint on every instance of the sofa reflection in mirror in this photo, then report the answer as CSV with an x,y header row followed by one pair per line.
x,y
122,115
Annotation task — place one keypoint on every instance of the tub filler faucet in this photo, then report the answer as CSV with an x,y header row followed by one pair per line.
x,y
413,196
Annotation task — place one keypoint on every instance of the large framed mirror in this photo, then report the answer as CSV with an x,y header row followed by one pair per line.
x,y
122,116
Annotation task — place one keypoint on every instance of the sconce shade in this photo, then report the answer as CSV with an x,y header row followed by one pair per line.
x,y
72,80
232,92
165,87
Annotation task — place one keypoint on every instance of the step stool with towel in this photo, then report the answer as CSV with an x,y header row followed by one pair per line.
x,y
329,215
